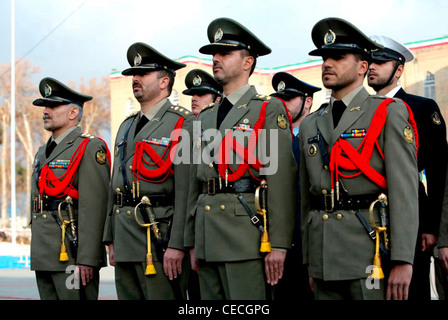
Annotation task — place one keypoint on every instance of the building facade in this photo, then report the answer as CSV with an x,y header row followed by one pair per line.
x,y
426,75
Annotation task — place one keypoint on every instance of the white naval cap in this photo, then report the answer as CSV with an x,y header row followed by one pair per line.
x,y
392,50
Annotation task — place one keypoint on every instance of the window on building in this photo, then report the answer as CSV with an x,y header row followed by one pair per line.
x,y
174,97
129,107
429,86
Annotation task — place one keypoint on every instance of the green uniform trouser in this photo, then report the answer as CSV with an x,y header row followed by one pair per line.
x,y
64,286
349,289
132,283
240,280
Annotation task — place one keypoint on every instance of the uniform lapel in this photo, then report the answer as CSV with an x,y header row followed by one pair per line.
x,y
237,112
66,143
352,113
147,130
325,124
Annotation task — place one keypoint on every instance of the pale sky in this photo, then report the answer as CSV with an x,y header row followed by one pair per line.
x,y
74,39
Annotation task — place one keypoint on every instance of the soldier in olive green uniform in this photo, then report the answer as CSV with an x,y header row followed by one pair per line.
x,y
202,88
345,166
441,262
146,165
75,165
222,223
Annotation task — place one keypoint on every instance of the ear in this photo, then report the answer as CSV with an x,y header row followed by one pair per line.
x,y
308,103
248,61
163,82
73,113
399,71
363,67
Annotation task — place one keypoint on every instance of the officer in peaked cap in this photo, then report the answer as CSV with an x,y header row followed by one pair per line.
x,y
144,58
202,88
67,194
298,98
331,34
148,191
55,93
384,73
227,34
289,87
234,262
340,181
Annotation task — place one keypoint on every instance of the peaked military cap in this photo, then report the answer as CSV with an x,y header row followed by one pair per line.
x,y
288,86
392,50
199,82
143,58
338,34
228,34
55,93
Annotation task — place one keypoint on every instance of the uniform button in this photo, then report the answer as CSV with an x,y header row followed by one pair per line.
x,y
34,217
130,167
325,217
117,211
326,167
44,216
128,213
117,190
210,165
339,216
324,191
207,208
222,207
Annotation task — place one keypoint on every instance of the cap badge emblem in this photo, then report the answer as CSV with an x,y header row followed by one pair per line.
x,y
47,90
330,37
218,35
281,86
197,81
137,60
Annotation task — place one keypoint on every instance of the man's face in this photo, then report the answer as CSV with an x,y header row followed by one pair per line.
x,y
339,70
379,73
146,86
227,66
199,101
56,118
294,106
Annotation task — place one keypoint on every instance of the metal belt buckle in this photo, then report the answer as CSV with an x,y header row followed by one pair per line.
x,y
255,219
211,186
119,199
330,198
36,204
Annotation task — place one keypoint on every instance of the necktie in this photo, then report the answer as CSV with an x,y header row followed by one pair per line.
x,y
50,148
223,110
141,123
338,110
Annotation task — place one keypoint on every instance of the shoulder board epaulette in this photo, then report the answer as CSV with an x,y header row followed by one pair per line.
x,y
180,110
263,97
208,107
87,135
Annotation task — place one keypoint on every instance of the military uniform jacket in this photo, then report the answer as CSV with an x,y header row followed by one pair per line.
x,y
128,237
432,158
91,181
218,226
336,245
443,233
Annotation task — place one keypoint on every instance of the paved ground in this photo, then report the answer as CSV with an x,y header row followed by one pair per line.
x,y
20,284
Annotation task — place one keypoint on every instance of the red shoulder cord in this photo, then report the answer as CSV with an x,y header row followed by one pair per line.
x,y
61,186
343,155
165,169
247,154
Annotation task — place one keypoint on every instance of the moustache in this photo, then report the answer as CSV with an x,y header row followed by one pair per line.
x,y
136,84
45,117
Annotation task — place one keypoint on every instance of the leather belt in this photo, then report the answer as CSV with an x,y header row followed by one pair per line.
x,y
157,200
216,185
50,204
329,203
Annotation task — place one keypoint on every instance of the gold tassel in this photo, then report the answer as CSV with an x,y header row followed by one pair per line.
x,y
265,243
150,269
63,256
377,272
